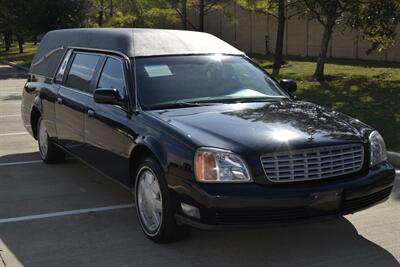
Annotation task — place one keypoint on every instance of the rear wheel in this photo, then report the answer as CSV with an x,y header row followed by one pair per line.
x,y
154,206
49,152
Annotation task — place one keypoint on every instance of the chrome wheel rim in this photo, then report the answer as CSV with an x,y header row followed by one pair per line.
x,y
149,201
43,139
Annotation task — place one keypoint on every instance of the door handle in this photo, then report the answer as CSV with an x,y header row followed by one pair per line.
x,y
59,100
91,113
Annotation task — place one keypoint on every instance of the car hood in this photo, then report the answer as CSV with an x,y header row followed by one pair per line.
x,y
260,127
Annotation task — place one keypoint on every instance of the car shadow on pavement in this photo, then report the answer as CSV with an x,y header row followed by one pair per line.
x,y
27,156
327,242
9,72
114,238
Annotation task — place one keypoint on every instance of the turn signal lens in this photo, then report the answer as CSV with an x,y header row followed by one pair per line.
x,y
206,166
216,165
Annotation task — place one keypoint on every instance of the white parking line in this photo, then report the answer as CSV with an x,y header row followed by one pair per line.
x,y
20,162
10,134
14,102
8,116
65,213
40,161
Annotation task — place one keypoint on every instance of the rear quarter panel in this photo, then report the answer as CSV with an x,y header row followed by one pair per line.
x,y
42,94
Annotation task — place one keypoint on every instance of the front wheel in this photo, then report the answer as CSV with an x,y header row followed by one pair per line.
x,y
154,206
48,151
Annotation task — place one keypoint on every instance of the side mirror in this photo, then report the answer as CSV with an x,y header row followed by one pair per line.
x,y
289,85
107,96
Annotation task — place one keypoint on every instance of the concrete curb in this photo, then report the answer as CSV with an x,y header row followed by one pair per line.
x,y
14,65
394,158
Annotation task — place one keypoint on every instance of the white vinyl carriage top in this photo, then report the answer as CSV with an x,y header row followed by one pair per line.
x,y
174,42
130,42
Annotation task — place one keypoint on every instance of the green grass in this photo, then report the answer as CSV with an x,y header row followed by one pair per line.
x,y
14,56
368,91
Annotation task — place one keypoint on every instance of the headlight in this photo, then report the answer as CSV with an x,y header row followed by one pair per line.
x,y
217,165
377,148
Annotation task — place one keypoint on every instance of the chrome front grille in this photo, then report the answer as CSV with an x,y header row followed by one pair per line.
x,y
313,163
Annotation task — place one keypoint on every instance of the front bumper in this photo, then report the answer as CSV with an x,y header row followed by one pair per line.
x,y
237,205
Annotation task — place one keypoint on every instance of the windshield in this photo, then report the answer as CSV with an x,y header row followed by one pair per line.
x,y
202,79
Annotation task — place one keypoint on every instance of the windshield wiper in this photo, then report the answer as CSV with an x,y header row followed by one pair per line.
x,y
212,102
257,99
179,104
243,100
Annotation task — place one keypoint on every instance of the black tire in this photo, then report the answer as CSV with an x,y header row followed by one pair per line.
x,y
168,231
52,154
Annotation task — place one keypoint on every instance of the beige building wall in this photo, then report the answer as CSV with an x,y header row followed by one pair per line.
x,y
344,44
243,28
228,29
253,32
259,32
296,35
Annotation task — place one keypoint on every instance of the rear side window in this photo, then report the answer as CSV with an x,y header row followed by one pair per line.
x,y
81,71
112,76
61,71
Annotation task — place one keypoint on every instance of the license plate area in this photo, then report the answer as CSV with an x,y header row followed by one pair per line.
x,y
327,201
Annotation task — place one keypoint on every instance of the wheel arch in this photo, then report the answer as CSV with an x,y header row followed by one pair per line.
x,y
36,112
148,147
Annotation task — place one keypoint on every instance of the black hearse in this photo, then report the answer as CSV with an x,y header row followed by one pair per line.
x,y
204,136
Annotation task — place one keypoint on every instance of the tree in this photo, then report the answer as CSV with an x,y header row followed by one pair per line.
x,y
281,10
181,8
5,30
376,20
327,12
184,14
26,17
140,13
51,15
103,10
205,7
278,57
111,8
7,39
378,23
16,18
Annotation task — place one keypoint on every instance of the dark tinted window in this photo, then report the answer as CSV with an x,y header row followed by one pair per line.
x,y
216,78
112,76
81,71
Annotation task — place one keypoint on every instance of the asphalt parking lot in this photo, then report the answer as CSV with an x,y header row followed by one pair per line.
x,y
70,215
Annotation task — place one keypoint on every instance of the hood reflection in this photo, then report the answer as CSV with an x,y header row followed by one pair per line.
x,y
283,135
261,127
307,118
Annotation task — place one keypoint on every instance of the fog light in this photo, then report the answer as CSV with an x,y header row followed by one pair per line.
x,y
190,210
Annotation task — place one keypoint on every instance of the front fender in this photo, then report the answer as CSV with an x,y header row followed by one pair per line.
x,y
175,158
37,103
154,146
